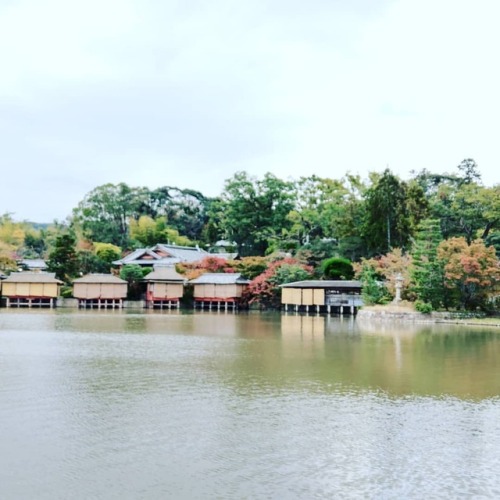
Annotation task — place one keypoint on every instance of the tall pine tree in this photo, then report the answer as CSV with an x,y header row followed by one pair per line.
x,y
428,270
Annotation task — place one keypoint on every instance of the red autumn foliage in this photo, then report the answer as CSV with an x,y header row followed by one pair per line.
x,y
209,264
265,290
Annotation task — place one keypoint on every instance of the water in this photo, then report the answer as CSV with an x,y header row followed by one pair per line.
x,y
167,405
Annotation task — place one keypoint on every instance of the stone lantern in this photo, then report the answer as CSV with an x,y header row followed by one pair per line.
x,y
399,287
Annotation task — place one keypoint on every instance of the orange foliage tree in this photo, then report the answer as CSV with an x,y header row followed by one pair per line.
x,y
471,271
389,267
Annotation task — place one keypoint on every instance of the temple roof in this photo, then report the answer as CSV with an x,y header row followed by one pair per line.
x,y
324,284
164,273
220,279
100,278
28,277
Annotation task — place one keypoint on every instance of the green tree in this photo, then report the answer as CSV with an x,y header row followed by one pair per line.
x,y
387,222
493,239
475,210
63,259
11,232
314,253
469,171
251,267
328,213
315,196
374,290
253,213
133,275
89,262
349,222
185,210
107,252
428,271
99,259
104,214
462,205
7,265
149,232
35,245
417,205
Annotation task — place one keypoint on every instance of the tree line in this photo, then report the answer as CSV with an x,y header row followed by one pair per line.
x,y
431,227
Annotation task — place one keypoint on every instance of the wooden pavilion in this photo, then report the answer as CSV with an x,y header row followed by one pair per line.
x,y
27,289
165,287
218,290
330,296
100,291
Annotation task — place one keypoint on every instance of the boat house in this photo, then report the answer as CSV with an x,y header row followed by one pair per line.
x,y
330,296
165,287
100,291
219,290
26,289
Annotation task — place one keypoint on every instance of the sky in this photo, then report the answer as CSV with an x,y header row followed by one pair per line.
x,y
174,93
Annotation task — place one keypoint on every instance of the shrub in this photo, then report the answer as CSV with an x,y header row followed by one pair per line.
x,y
374,290
337,268
133,274
66,291
423,307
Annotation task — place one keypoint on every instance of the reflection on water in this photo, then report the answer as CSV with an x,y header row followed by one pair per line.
x,y
114,404
398,358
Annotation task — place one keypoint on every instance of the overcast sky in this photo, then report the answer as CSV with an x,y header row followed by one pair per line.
x,y
186,93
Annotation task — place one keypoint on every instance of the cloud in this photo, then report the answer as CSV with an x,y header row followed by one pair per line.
x,y
186,94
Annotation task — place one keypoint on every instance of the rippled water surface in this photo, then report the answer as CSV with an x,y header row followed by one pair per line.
x,y
169,405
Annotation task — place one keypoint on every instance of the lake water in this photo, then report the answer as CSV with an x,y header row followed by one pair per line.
x,y
160,405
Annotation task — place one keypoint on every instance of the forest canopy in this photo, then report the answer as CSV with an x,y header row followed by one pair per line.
x,y
311,219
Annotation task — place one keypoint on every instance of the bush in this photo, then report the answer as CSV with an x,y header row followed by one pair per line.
x,y
374,291
423,307
337,268
66,291
133,274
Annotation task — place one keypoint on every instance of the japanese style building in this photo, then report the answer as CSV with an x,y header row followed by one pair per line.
x,y
165,288
218,290
330,296
100,291
162,255
35,265
26,289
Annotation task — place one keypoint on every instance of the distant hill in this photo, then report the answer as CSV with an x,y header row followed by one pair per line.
x,y
40,225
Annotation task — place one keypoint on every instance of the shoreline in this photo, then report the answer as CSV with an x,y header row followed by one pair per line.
x,y
408,314
386,313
